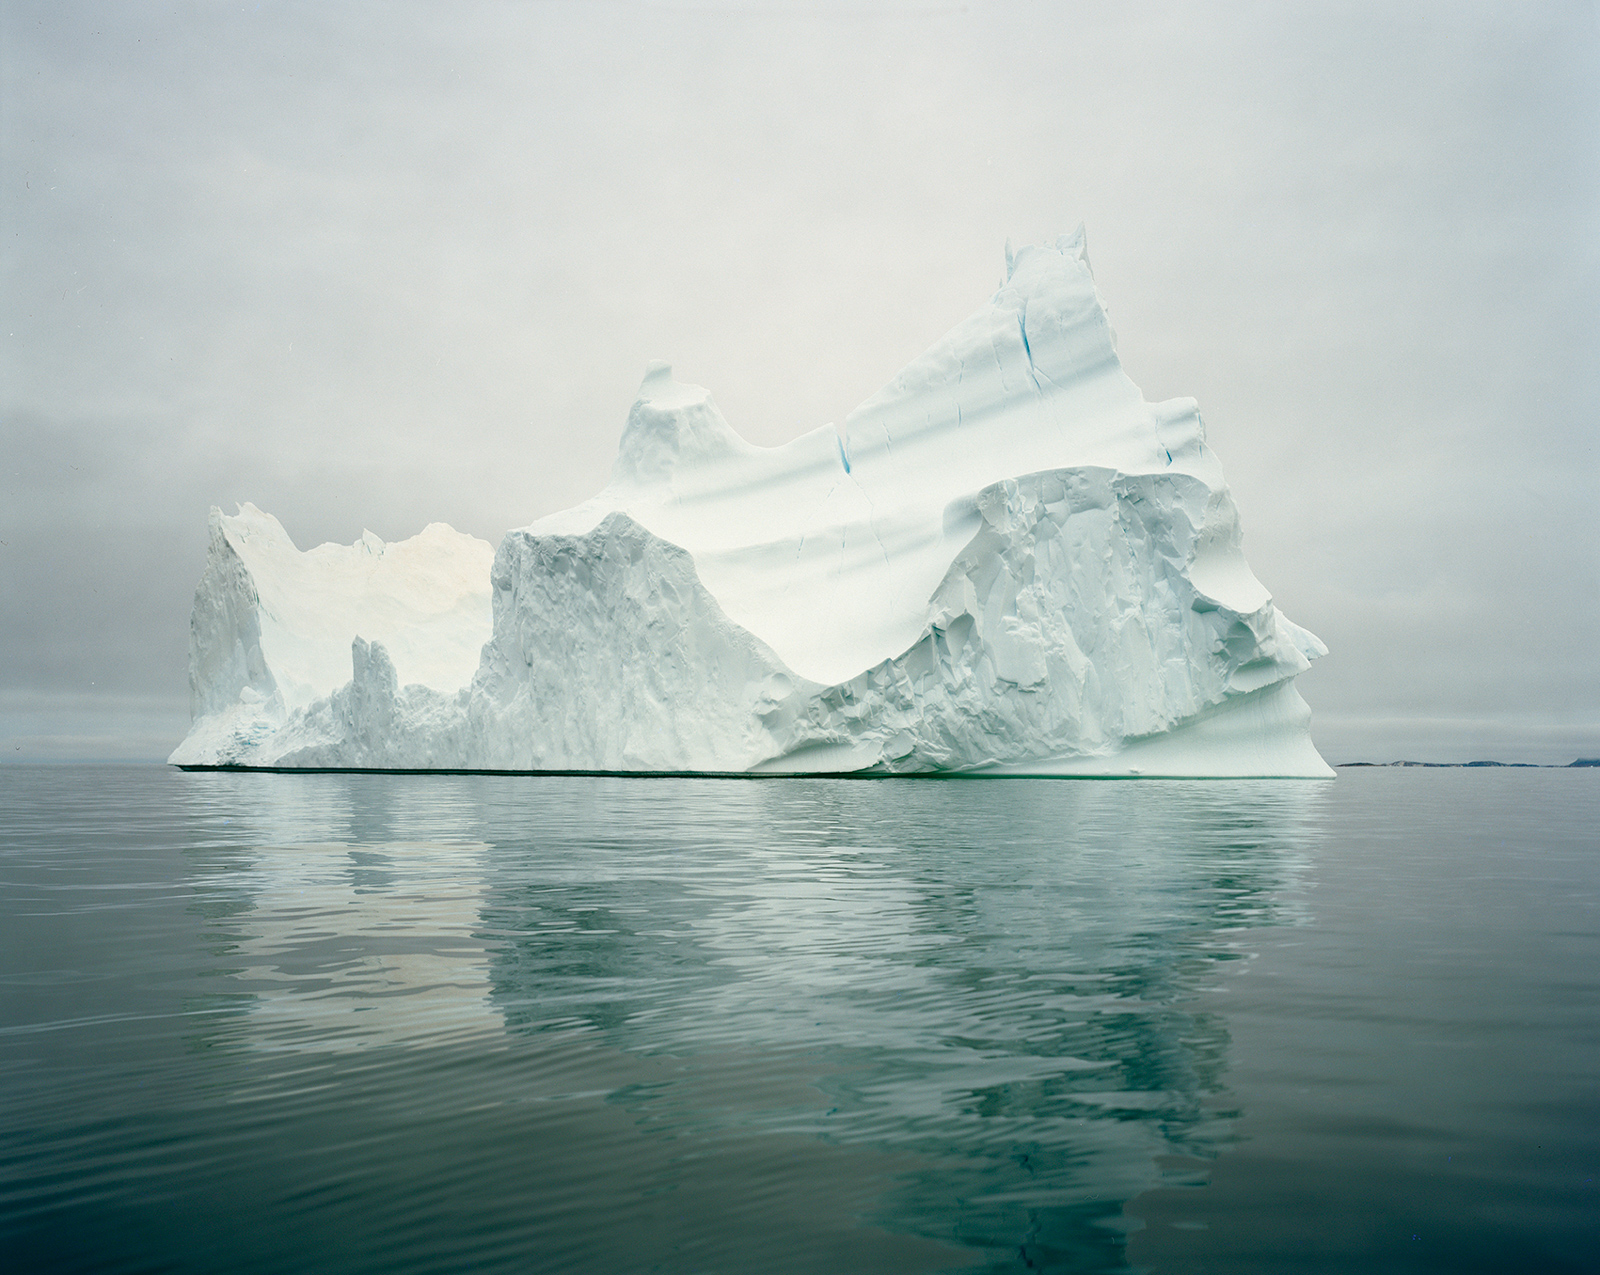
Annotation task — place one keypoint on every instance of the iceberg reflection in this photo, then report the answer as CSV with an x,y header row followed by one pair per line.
x,y
970,1007
992,979
345,934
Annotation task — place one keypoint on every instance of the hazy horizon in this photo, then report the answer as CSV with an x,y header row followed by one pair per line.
x,y
377,267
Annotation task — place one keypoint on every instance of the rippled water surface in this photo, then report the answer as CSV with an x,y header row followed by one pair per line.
x,y
449,1023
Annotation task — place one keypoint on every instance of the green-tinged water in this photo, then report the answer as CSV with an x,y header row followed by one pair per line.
x,y
255,1022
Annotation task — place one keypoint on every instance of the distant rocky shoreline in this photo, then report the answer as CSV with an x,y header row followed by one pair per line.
x,y
1468,765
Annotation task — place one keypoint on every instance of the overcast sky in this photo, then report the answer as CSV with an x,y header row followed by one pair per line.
x,y
376,265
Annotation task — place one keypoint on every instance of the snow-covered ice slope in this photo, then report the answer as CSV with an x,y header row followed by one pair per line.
x,y
1006,560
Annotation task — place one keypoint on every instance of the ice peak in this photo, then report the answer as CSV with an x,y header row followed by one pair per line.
x,y
670,419
1072,246
1076,245
249,523
661,389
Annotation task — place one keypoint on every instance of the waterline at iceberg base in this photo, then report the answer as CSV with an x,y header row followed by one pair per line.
x,y
1004,562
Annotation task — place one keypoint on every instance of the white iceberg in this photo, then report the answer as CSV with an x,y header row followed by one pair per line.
x,y
1006,561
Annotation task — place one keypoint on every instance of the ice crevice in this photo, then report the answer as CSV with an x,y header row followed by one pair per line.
x,y
1005,561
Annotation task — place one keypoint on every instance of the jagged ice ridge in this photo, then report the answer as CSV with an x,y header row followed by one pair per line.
x,y
1005,561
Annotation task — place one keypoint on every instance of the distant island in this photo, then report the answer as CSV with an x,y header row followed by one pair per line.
x,y
1468,765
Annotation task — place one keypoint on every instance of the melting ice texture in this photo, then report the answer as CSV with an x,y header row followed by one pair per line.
x,y
1005,561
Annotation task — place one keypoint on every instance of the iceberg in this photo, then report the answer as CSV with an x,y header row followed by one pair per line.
x,y
1004,562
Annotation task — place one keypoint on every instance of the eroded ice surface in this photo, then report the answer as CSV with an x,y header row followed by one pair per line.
x,y
1004,560
271,631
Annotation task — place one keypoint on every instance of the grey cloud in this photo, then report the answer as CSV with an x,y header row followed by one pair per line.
x,y
376,265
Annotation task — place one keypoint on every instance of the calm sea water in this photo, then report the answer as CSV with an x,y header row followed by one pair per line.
x,y
446,1023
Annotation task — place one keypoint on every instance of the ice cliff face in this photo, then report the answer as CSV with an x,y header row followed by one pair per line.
x,y
1006,560
271,632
